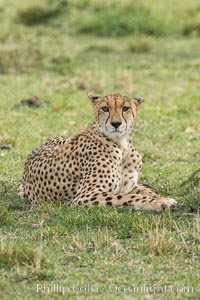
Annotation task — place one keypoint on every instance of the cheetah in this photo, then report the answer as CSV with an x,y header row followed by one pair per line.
x,y
97,167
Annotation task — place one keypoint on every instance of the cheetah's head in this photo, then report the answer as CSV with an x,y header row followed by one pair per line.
x,y
115,114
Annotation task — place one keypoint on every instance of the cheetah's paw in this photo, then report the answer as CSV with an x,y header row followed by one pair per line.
x,y
166,203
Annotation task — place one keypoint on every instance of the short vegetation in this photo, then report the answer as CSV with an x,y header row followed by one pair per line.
x,y
52,53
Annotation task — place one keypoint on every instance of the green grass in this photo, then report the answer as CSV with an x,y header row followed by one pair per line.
x,y
60,51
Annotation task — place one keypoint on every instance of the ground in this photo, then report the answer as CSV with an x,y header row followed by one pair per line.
x,y
100,246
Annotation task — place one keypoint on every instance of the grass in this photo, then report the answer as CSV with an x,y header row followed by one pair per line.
x,y
59,58
140,44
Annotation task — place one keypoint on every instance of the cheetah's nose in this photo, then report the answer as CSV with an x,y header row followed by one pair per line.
x,y
115,124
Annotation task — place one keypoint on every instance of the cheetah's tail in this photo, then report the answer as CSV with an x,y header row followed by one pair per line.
x,y
21,191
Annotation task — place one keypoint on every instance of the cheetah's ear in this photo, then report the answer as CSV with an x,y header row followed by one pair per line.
x,y
138,100
93,98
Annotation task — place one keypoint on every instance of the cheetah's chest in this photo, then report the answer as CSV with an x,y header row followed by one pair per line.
x,y
129,171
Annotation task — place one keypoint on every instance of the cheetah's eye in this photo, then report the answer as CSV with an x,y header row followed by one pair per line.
x,y
105,109
126,108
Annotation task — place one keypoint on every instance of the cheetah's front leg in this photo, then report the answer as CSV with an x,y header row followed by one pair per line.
x,y
144,189
137,201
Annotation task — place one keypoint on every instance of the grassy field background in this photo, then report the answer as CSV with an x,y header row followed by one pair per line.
x,y
59,51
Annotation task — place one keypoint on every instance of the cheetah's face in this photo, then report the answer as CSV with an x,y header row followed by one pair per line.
x,y
115,114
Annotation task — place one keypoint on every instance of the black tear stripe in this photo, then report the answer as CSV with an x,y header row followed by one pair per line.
x,y
107,119
124,119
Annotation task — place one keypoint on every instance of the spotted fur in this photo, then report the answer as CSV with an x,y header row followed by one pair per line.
x,y
98,167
